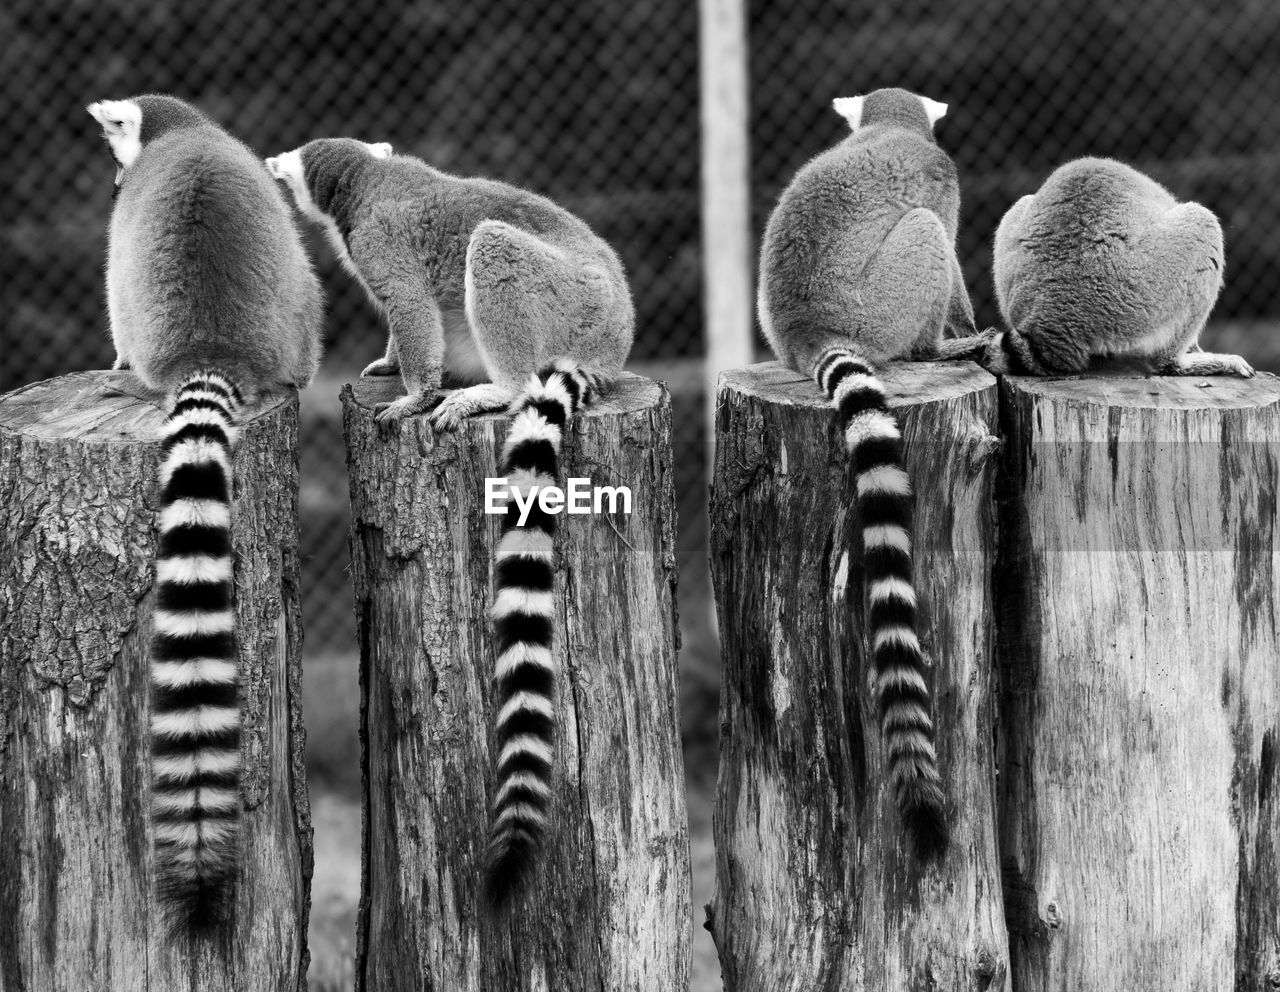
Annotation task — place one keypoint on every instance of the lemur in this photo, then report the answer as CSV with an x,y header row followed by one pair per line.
x,y
484,281
213,304
858,267
1102,266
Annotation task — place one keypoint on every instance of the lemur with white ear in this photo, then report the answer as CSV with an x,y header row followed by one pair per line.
x,y
1102,266
213,304
484,281
859,268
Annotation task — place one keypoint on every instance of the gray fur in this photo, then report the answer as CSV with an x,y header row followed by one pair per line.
x,y
859,267
477,279
205,267
1102,265
860,250
213,304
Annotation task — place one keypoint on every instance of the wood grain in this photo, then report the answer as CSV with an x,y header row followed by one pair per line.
x,y
78,459
1140,822
815,889
610,906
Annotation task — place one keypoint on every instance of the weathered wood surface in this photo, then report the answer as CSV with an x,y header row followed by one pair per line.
x,y
814,888
78,459
1140,809
610,907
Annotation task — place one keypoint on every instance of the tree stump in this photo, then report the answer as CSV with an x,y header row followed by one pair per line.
x,y
78,500
1140,811
815,888
609,906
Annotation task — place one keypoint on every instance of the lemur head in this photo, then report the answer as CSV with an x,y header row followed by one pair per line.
x,y
891,106
313,171
130,125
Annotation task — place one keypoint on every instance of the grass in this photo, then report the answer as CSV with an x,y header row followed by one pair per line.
x,y
335,893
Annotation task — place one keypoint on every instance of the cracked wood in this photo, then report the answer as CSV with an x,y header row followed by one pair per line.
x,y
609,908
77,515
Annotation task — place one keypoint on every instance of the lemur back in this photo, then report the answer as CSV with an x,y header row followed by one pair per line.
x,y
1102,266
859,267
213,304
465,269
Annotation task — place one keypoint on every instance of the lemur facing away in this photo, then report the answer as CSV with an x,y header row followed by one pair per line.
x,y
859,267
213,304
1102,267
482,280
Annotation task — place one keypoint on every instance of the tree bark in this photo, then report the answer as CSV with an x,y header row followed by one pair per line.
x,y
1140,810
609,906
78,459
815,888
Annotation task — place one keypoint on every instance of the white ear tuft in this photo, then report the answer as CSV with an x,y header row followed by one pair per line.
x,y
381,149
121,122
850,108
934,110
274,167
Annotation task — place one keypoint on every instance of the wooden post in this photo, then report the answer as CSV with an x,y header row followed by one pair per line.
x,y
1140,812
610,905
814,887
728,302
78,461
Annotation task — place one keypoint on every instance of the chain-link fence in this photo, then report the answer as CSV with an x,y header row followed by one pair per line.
x,y
589,103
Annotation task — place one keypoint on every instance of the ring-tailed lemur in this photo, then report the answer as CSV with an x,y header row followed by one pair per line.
x,y
1101,267
484,281
213,304
859,267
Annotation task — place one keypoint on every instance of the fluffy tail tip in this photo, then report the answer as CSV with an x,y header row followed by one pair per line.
x,y
508,865
197,908
925,821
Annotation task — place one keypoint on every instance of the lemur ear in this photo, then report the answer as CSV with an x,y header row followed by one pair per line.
x,y
850,108
380,150
934,110
117,116
274,167
98,114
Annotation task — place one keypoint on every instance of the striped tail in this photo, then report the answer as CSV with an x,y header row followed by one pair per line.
x,y
195,714
523,614
884,511
1011,354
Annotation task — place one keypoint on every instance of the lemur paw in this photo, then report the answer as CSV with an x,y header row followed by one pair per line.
x,y
464,403
388,415
447,418
1235,365
383,366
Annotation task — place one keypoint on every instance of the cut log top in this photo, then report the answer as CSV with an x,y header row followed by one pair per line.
x,y
1197,392
907,383
97,406
1222,410
629,394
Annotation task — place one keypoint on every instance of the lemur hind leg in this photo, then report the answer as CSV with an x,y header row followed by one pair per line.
x,y
907,286
1190,253
896,307
530,302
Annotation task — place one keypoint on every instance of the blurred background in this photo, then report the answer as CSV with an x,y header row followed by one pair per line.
x,y
597,105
